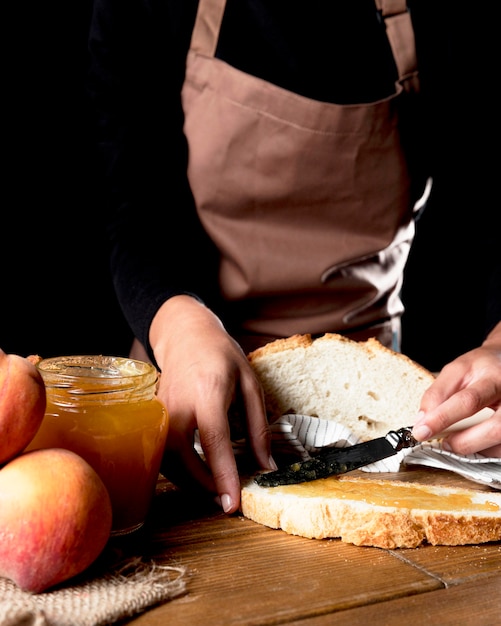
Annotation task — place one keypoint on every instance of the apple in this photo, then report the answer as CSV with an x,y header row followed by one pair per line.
x,y
22,404
55,518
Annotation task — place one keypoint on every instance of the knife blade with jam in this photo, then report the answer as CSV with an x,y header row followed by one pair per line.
x,y
332,461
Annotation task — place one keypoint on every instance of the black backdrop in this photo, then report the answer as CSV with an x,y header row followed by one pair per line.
x,y
57,296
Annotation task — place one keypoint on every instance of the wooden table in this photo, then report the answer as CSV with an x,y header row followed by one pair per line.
x,y
242,573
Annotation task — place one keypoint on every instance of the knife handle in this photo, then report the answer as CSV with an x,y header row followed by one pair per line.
x,y
401,438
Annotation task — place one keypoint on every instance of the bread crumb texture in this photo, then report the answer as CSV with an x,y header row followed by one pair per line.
x,y
362,385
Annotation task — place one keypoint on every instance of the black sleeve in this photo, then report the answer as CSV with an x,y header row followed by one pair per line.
x,y
158,248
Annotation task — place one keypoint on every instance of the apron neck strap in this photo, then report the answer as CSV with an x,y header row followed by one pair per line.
x,y
207,25
400,34
395,14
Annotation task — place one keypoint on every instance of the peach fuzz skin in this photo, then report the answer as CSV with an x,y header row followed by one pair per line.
x,y
55,518
22,404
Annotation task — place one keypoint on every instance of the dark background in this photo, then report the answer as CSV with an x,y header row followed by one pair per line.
x,y
56,292
57,296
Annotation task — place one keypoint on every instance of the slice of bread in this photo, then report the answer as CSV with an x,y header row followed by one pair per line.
x,y
362,385
375,512
370,390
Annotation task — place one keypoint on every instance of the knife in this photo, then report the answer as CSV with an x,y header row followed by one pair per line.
x,y
330,461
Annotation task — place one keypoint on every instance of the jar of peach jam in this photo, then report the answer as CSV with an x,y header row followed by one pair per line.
x,y
105,409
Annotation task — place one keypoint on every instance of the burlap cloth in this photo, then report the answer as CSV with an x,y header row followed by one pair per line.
x,y
121,592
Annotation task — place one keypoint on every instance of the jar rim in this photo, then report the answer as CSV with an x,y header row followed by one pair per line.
x,y
101,370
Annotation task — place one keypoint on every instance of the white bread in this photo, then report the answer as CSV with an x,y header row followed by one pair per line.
x,y
370,390
355,510
362,385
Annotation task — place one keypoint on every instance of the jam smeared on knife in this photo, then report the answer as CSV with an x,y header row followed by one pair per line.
x,y
331,461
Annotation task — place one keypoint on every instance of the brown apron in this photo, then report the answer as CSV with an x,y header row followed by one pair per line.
x,y
308,202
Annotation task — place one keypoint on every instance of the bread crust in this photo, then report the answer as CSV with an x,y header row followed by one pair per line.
x,y
281,345
355,521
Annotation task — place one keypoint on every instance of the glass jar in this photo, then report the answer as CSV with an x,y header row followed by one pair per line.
x,y
105,409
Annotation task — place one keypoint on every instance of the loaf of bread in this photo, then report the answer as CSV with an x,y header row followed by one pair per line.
x,y
370,390
376,512
362,385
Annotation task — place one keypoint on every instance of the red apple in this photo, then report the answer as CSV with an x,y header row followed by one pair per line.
x,y
55,518
22,404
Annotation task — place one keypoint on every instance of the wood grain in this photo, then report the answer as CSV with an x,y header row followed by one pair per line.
x,y
241,573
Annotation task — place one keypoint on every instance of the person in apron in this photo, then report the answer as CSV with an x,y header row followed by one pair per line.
x,y
310,206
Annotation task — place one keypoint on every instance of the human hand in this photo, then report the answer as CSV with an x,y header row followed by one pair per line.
x,y
203,370
465,386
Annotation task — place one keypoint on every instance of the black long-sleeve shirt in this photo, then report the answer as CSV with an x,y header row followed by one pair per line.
x,y
332,51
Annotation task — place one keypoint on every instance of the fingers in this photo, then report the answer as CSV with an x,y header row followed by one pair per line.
x,y
464,387
214,431
218,452
210,398
203,371
258,429
493,452
216,473
182,464
460,405
484,437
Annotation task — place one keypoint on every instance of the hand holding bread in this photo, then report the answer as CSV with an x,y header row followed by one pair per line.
x,y
465,386
204,371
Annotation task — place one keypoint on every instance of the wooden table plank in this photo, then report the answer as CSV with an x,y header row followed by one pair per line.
x,y
474,603
244,573
456,564
267,580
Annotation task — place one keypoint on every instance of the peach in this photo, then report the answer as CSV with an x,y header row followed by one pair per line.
x,y
22,404
55,518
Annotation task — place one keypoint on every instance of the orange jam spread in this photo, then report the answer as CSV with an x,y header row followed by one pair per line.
x,y
389,494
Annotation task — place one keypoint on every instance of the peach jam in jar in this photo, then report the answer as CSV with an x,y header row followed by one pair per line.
x,y
105,409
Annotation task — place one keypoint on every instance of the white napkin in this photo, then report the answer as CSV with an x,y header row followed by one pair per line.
x,y
303,435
